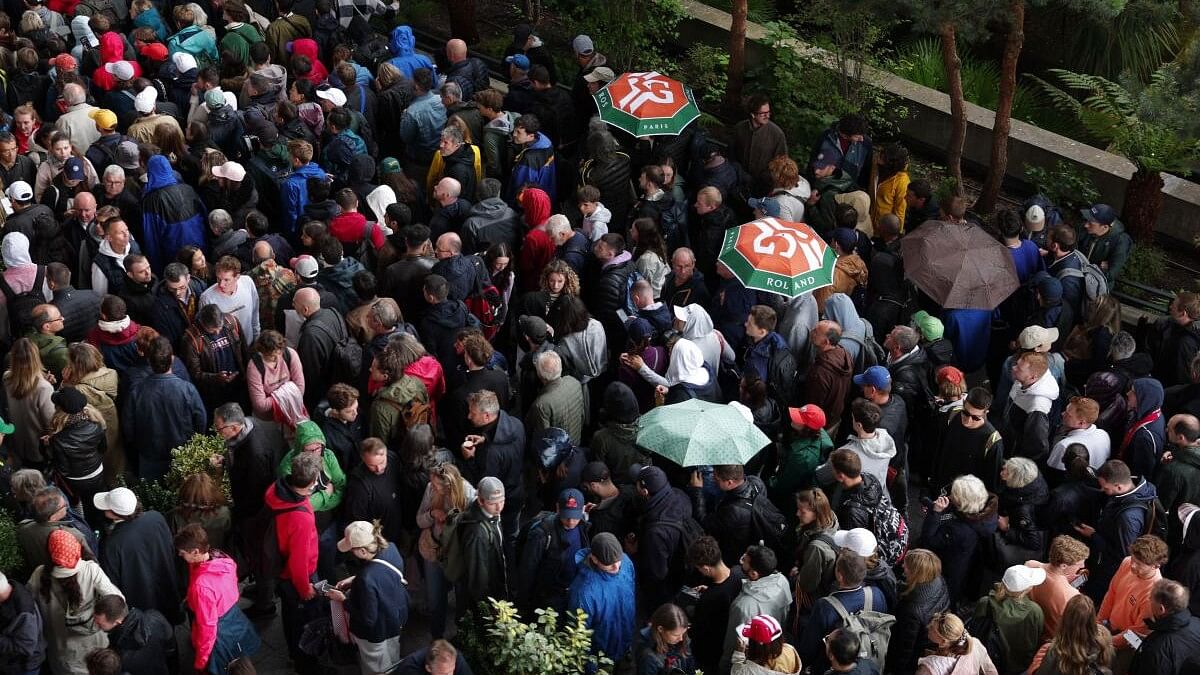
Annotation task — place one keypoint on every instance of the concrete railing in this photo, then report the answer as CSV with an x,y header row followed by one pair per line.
x,y
928,127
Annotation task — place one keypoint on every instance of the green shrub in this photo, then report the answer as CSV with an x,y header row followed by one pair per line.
x,y
12,562
1065,185
496,641
1146,265
706,70
155,496
195,457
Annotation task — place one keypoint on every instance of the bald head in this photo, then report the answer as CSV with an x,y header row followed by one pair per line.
x,y
1184,430
456,50
307,302
449,243
85,200
263,251
447,191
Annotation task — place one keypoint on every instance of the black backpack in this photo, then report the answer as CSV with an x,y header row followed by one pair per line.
x,y
870,353
1156,517
767,524
266,560
544,520
689,532
781,377
985,629
346,358
21,305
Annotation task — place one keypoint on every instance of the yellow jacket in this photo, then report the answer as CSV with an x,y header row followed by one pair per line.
x,y
436,167
889,198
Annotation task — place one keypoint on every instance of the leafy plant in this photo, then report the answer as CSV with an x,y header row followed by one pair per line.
x,y
12,561
497,642
632,34
1142,37
706,70
155,496
194,457
1146,265
921,62
1065,185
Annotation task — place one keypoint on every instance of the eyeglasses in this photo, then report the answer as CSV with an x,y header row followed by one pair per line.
x,y
974,418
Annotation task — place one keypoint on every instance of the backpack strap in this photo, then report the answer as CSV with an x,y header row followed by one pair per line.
x,y
868,596
8,291
393,568
839,607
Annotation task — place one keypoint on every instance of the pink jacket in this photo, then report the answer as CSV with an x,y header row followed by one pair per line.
x,y
261,386
212,591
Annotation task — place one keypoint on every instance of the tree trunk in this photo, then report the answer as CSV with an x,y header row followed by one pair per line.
x,y
1143,201
462,20
958,113
737,55
998,165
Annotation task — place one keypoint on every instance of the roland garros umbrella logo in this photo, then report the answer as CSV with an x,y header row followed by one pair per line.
x,y
648,95
772,247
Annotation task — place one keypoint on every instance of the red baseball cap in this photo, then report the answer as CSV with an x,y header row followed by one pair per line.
x,y
155,51
762,629
810,416
950,374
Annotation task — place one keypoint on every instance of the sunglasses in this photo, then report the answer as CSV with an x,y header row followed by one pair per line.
x,y
973,418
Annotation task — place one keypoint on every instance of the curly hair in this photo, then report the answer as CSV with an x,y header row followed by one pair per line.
x,y
560,267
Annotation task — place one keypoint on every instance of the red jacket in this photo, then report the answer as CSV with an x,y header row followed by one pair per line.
x,y
296,533
212,591
428,370
349,227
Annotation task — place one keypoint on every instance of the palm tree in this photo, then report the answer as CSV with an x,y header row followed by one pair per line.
x,y
1152,125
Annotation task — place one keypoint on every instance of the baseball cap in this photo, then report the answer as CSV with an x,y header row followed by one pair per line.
x,y
105,119
606,548
582,44
122,70
930,326
651,477
809,416
593,472
6,427
128,155
1035,215
332,94
534,328
875,376
305,266
762,629
65,62
490,489
155,51
570,504
1037,338
19,191
860,540
358,534
639,329
1019,578
682,313
390,165
950,374
73,169
145,100
601,74
183,61
1047,286
519,60
120,501
521,33
768,205
845,237
231,171
1099,213
213,98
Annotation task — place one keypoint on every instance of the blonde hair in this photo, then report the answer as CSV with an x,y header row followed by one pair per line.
x,y
968,495
921,566
448,476
952,635
378,543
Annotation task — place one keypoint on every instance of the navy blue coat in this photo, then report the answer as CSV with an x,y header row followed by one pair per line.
x,y
161,413
172,214
378,599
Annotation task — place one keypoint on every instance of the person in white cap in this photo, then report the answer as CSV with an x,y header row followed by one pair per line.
x,y
376,597
230,191
1016,619
149,119
138,555
24,645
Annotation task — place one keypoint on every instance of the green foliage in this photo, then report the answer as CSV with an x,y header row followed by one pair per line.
x,y
633,34
1065,185
1146,265
12,562
155,496
1153,125
496,641
416,11
706,70
194,457
1140,37
921,62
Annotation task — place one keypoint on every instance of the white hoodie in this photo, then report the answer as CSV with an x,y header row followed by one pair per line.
x,y
874,453
99,281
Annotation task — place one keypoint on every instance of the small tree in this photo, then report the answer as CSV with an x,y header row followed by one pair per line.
x,y
737,53
1152,125
497,642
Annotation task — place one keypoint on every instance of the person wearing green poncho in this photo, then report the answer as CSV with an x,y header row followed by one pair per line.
x,y
798,461
326,496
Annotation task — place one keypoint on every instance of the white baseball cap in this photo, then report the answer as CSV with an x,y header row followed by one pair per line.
x,y
1037,338
1035,215
359,534
145,100
122,70
333,95
860,540
183,61
231,171
1019,578
120,501
19,191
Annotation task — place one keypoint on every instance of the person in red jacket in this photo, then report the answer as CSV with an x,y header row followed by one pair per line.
x,y
296,534
350,226
538,248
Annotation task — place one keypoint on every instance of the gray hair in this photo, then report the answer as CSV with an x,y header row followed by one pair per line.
x,y
453,134
1123,346
386,313
557,225
74,94
230,413
906,338
47,502
548,366
489,188
175,271
219,221
25,484
968,495
684,251
113,170
484,401
452,91
451,185
1021,472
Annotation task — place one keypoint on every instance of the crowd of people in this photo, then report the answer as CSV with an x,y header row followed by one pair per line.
x,y
424,309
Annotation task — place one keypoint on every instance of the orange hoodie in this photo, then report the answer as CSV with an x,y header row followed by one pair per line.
x,y
1127,603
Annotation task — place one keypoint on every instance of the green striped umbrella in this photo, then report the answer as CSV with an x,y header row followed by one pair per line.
x,y
776,256
647,104
698,433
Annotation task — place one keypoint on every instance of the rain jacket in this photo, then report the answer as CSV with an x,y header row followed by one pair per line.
x,y
296,535
295,193
212,591
239,37
308,47
1122,520
112,49
1179,480
378,600
1112,248
172,214
955,537
150,18
404,54
1145,437
308,432
421,126
535,164
198,42
608,600
1019,621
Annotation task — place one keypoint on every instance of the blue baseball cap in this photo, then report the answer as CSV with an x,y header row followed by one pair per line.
x,y
74,169
519,60
875,376
1099,213
570,504
768,205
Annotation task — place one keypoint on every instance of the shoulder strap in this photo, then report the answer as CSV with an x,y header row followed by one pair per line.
x,y
838,607
868,596
39,278
393,568
8,291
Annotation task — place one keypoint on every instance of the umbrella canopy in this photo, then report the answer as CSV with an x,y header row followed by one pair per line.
x,y
958,266
647,104
776,256
699,433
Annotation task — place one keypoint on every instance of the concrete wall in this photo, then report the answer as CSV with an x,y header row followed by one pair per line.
x,y
928,126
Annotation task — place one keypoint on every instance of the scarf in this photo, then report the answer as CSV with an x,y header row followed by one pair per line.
x,y
113,326
1150,418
